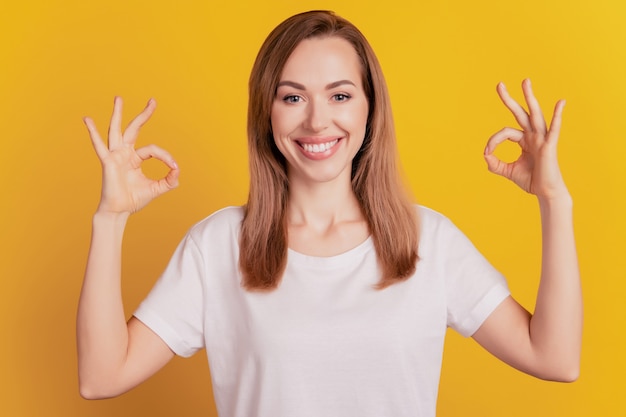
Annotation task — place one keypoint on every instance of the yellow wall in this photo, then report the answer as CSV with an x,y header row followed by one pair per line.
x,y
61,60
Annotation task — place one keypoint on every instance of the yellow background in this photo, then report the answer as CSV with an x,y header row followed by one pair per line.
x,y
61,60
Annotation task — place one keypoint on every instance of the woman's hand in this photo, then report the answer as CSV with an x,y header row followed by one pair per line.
x,y
536,170
547,343
125,189
114,356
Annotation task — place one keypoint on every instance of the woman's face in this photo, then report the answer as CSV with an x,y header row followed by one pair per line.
x,y
320,110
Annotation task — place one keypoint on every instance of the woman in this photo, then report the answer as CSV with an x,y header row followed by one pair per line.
x,y
328,293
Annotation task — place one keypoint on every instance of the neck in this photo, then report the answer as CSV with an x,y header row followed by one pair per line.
x,y
322,205
324,218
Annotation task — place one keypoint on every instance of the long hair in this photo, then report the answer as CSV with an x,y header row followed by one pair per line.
x,y
389,213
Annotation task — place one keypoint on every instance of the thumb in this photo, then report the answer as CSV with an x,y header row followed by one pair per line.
x,y
495,165
169,182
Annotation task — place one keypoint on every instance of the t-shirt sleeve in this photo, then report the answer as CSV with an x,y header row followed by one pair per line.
x,y
474,288
173,308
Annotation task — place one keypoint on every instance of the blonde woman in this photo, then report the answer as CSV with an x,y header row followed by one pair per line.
x,y
328,293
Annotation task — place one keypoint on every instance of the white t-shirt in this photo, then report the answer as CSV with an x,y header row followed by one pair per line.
x,y
325,343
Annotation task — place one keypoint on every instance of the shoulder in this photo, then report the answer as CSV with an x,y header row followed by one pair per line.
x,y
430,220
224,221
437,232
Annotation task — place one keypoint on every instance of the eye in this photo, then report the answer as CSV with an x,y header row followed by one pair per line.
x,y
292,99
341,97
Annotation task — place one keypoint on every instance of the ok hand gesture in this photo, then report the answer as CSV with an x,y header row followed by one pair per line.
x,y
536,170
125,189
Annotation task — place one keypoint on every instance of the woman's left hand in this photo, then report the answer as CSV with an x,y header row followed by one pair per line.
x,y
536,170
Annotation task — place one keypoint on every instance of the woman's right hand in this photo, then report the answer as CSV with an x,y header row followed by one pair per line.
x,y
125,188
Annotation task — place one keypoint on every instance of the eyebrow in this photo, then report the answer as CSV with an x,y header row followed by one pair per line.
x,y
330,86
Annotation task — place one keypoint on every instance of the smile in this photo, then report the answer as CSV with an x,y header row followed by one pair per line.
x,y
318,147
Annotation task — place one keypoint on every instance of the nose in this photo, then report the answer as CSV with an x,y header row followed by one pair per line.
x,y
317,116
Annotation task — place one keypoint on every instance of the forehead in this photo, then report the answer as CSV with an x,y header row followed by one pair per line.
x,y
323,60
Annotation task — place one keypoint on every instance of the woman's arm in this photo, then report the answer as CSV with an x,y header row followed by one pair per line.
x,y
546,344
113,355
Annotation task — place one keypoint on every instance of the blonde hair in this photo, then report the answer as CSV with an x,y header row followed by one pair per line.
x,y
390,215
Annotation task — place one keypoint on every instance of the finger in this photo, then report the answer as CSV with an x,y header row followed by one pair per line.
x,y
508,133
518,111
115,127
495,165
170,181
132,130
537,121
166,184
555,124
153,151
96,140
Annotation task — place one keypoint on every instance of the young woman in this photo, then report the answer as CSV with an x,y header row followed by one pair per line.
x,y
329,293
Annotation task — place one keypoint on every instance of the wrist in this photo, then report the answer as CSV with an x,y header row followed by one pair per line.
x,y
556,207
110,217
556,199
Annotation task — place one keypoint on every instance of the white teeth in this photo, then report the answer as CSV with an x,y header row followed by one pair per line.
x,y
319,147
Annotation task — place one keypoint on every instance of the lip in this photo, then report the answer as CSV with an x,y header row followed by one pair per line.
x,y
316,139
316,156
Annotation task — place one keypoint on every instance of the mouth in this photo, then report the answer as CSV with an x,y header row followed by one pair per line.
x,y
317,148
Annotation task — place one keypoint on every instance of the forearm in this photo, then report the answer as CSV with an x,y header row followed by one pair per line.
x,y
102,334
556,325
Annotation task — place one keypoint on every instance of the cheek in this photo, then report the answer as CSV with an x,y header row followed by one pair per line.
x,y
277,129
354,119
280,121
